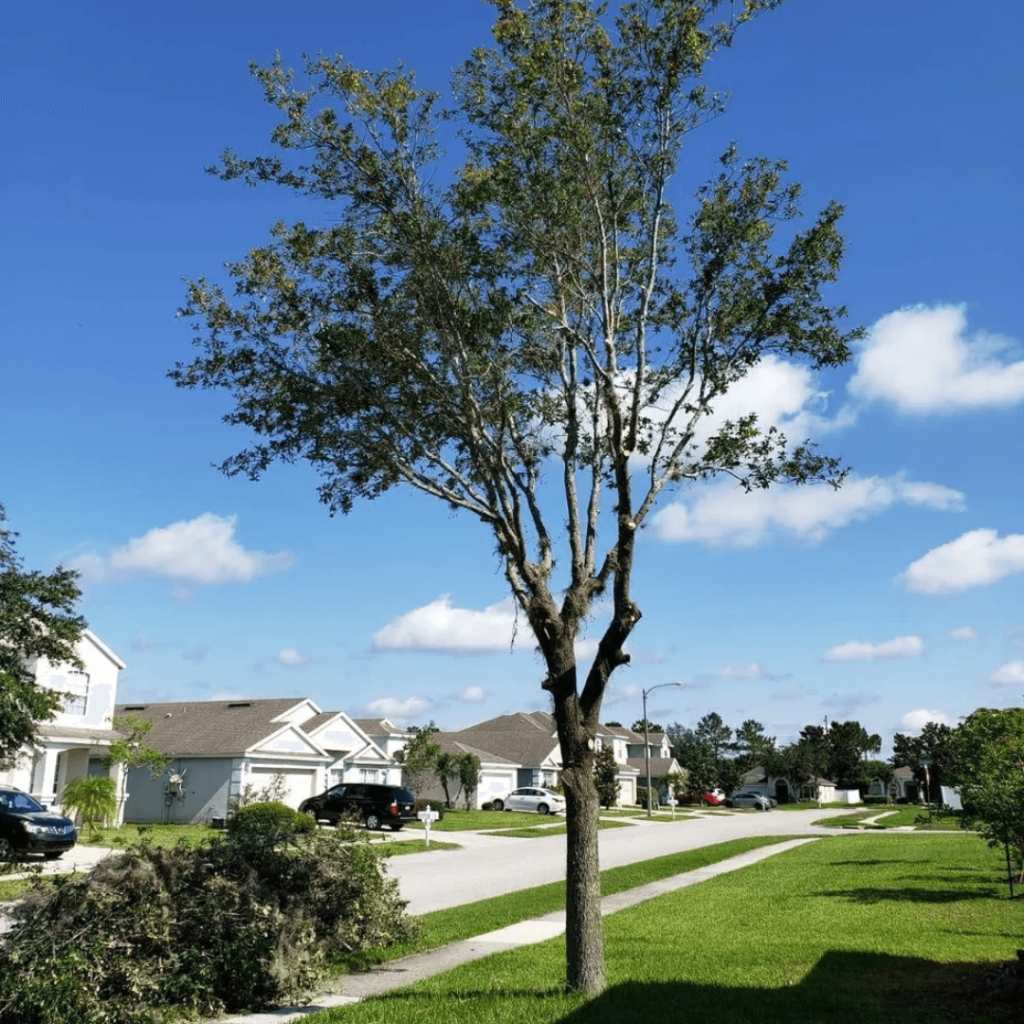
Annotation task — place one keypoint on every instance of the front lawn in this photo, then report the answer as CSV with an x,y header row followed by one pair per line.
x,y
477,821
904,816
540,831
157,835
858,929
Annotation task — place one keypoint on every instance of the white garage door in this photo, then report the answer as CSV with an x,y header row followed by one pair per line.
x,y
299,783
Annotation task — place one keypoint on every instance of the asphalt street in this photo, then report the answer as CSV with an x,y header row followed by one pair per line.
x,y
489,865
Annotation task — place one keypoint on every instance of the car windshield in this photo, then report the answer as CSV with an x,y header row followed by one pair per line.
x,y
19,802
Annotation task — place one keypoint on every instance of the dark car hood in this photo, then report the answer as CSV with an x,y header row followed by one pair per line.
x,y
47,818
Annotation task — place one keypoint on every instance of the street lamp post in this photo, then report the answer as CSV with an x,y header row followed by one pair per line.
x,y
647,745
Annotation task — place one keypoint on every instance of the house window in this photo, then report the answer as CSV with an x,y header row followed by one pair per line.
x,y
368,774
76,690
337,776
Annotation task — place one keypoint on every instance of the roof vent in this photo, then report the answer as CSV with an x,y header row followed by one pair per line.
x,y
241,704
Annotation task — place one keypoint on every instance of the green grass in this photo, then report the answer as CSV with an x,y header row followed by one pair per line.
x,y
540,831
158,835
859,929
443,927
402,846
477,821
903,816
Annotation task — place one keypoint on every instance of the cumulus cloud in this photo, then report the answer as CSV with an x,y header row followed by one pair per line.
x,y
290,657
963,633
197,552
724,514
974,559
751,671
1011,674
472,694
440,627
916,720
391,707
858,650
921,360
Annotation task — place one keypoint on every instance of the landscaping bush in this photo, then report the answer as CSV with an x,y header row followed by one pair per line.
x,y
435,805
234,925
269,821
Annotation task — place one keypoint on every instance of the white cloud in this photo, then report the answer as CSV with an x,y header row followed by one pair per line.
x,y
921,360
289,656
751,671
200,551
974,559
1011,674
390,707
963,633
472,694
440,627
724,514
858,650
197,653
916,720
141,642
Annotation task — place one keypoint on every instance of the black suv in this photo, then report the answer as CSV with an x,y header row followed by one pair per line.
x,y
27,827
374,805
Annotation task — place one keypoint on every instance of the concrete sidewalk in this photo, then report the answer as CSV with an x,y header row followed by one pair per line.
x,y
400,973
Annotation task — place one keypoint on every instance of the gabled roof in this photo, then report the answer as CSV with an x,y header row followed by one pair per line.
x,y
454,743
217,728
660,766
379,727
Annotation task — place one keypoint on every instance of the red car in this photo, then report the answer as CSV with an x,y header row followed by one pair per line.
x,y
710,798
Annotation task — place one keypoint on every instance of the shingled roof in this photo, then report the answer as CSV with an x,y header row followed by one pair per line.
x,y
210,727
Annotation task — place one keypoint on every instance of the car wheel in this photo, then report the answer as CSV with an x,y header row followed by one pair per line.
x,y
728,803
542,808
372,822
6,850
311,812
499,805
54,854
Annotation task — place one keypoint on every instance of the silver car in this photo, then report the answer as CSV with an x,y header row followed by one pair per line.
x,y
748,798
531,798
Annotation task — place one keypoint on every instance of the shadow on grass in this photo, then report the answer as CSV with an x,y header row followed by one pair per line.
x,y
842,988
869,895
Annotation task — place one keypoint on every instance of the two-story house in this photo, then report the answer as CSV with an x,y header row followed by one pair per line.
x,y
83,724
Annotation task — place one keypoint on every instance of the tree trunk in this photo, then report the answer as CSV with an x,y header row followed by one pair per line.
x,y
584,930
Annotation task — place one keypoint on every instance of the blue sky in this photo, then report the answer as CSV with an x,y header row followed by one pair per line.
x,y
895,601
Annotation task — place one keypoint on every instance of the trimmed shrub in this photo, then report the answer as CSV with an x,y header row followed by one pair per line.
x,y
269,821
422,804
155,934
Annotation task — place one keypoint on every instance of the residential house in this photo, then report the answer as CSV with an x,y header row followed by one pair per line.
x,y
900,785
522,749
224,752
83,724
786,790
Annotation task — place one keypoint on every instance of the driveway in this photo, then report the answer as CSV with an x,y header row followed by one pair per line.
x,y
490,865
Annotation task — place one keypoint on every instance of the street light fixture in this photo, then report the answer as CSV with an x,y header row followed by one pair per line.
x,y
647,745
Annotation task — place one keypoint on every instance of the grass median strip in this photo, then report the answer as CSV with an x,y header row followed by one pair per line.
x,y
540,831
859,928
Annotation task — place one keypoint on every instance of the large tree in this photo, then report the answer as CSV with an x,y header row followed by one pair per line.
x,y
535,337
37,620
988,765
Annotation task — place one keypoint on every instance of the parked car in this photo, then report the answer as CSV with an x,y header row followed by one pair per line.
x,y
28,827
712,799
531,798
748,798
373,804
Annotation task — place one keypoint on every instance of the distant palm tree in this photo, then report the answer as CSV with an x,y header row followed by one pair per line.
x,y
92,796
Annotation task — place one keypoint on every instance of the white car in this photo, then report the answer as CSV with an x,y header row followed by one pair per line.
x,y
747,798
531,798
